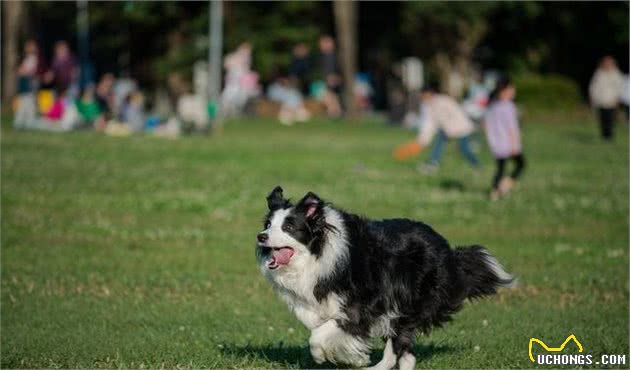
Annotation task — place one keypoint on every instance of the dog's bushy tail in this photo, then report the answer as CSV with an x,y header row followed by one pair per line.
x,y
482,272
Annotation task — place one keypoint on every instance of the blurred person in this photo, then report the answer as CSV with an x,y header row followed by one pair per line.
x,y
328,60
122,88
444,119
58,107
62,116
241,83
504,137
362,91
330,90
476,99
292,107
87,106
604,92
112,101
325,96
105,99
300,66
64,68
31,71
32,68
171,129
192,110
132,111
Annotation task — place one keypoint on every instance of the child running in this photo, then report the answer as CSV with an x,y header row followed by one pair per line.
x,y
504,137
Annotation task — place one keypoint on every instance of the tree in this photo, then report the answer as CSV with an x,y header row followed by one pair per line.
x,y
12,13
447,33
346,22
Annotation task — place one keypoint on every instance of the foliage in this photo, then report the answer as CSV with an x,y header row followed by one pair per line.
x,y
151,39
445,26
556,37
450,32
138,252
547,92
273,30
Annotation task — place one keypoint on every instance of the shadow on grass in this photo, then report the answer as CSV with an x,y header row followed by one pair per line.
x,y
452,185
300,357
585,137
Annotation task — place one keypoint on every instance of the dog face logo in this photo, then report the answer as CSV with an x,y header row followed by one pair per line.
x,y
553,349
289,230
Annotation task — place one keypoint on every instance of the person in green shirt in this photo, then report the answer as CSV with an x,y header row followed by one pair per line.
x,y
88,106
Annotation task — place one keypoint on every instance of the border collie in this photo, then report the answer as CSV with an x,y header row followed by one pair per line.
x,y
349,279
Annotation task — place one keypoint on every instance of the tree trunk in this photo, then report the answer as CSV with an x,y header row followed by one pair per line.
x,y
12,12
346,25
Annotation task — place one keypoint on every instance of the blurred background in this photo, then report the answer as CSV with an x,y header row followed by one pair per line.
x,y
139,140
379,54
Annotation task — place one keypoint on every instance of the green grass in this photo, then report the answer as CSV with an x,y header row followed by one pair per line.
x,y
139,252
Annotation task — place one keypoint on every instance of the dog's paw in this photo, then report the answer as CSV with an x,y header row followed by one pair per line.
x,y
360,361
318,354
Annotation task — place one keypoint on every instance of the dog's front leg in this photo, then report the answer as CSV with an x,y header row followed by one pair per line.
x,y
318,338
329,342
309,318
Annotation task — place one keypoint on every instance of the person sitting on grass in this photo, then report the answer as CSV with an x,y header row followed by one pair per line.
x,y
88,108
285,92
445,120
504,137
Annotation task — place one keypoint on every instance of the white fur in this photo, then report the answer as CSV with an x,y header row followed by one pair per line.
x,y
329,342
313,314
389,358
296,280
499,270
383,325
407,361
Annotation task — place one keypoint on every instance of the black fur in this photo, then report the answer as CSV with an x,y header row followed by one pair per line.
x,y
275,200
394,265
306,223
405,265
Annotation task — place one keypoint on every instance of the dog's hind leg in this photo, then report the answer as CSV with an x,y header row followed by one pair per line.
x,y
407,361
389,358
402,346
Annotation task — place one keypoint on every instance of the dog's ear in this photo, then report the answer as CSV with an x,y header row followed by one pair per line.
x,y
275,199
311,205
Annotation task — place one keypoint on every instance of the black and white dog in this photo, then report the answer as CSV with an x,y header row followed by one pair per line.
x,y
349,279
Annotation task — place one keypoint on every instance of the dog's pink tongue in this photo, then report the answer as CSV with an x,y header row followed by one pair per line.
x,y
283,255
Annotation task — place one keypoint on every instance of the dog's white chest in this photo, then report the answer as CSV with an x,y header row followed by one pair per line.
x,y
311,312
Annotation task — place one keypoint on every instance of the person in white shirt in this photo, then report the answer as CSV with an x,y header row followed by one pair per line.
x,y
604,92
444,120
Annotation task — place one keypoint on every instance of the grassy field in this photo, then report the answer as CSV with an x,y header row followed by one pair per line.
x,y
139,252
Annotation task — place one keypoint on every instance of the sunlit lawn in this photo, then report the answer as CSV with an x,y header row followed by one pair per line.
x,y
138,252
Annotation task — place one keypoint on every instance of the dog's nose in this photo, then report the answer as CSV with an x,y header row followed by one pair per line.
x,y
262,237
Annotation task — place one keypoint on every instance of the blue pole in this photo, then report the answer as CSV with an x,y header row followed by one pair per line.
x,y
83,37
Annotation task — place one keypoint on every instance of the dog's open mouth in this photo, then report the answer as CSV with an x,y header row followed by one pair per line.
x,y
279,257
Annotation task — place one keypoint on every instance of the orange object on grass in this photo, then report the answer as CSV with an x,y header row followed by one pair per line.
x,y
407,150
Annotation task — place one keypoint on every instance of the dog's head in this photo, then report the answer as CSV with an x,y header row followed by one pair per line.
x,y
291,231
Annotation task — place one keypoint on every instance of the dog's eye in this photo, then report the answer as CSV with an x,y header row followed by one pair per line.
x,y
287,227
267,225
